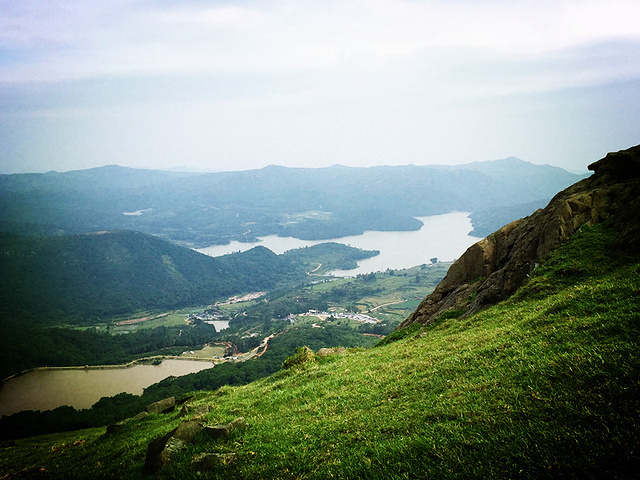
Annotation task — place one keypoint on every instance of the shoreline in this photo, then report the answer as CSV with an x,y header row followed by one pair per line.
x,y
139,361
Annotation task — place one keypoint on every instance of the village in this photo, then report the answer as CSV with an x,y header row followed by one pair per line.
x,y
359,317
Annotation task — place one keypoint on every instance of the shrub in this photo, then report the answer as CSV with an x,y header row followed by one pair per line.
x,y
302,357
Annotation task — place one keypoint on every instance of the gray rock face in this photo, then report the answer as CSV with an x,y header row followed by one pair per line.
x,y
161,406
163,450
495,267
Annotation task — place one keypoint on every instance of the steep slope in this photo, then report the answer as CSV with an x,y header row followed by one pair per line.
x,y
492,269
544,385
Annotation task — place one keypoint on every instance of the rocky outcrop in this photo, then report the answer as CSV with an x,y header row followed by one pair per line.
x,y
163,450
492,269
162,406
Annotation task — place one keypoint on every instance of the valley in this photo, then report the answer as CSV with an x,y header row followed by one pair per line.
x,y
368,305
524,340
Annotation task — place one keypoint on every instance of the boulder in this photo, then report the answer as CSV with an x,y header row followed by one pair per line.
x,y
187,430
157,453
161,406
223,431
140,416
218,431
163,450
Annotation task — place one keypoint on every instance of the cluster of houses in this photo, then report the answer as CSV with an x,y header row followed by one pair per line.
x,y
359,317
204,316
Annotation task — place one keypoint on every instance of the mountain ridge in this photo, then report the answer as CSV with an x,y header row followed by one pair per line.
x,y
199,210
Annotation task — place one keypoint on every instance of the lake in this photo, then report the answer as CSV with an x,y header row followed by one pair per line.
x,y
82,387
445,237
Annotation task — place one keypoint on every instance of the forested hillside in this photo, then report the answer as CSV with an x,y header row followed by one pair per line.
x,y
81,278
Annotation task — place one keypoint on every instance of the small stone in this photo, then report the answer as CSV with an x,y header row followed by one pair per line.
x,y
239,422
205,462
218,431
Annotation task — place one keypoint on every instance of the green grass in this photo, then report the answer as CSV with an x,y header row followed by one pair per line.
x,y
545,385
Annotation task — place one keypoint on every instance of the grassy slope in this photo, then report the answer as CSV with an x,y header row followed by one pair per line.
x,y
545,385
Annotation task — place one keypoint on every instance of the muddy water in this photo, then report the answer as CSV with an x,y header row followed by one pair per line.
x,y
82,387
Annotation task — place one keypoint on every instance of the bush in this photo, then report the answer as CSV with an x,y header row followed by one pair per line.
x,y
451,314
302,357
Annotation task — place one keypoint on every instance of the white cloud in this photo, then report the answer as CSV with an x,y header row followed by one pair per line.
x,y
120,37
292,82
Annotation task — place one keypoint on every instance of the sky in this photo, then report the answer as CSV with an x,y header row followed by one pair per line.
x,y
237,85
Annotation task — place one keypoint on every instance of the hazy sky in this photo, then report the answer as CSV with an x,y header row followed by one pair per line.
x,y
231,85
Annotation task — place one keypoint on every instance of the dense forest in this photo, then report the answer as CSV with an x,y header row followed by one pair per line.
x,y
84,278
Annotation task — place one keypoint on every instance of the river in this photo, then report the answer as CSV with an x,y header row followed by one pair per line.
x,y
82,387
445,237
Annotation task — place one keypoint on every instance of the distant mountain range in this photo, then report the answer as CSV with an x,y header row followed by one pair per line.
x,y
200,209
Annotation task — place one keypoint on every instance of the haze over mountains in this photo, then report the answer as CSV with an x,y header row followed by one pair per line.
x,y
215,208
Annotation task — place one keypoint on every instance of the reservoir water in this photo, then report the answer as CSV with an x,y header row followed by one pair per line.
x,y
445,237
82,387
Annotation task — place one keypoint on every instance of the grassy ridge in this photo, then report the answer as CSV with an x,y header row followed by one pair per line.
x,y
545,385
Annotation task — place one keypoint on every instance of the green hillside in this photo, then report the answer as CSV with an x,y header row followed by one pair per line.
x,y
97,275
544,385
83,278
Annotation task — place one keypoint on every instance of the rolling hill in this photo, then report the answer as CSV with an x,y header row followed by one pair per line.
x,y
81,278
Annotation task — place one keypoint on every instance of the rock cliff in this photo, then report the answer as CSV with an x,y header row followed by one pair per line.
x,y
492,269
